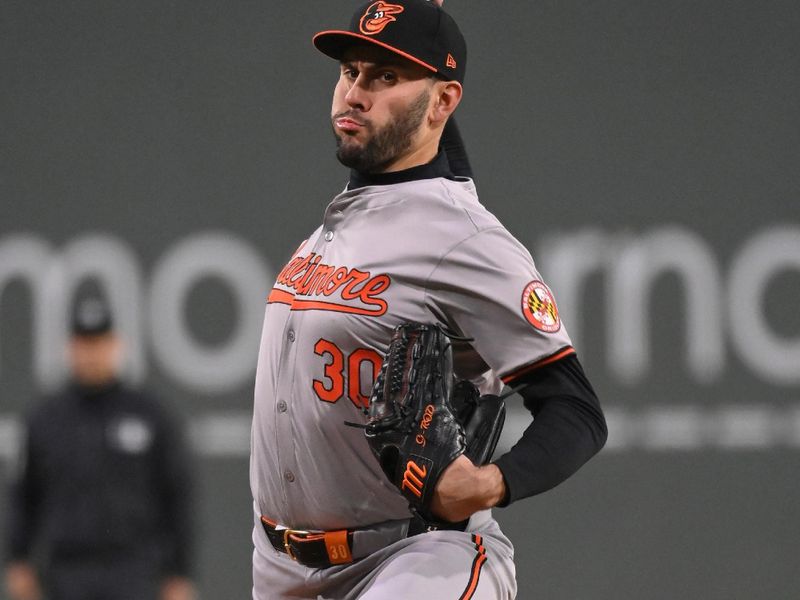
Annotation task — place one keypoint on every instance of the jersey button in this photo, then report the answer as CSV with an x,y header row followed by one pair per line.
x,y
290,335
328,236
281,406
288,475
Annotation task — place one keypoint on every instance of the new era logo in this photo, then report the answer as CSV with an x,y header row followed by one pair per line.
x,y
451,62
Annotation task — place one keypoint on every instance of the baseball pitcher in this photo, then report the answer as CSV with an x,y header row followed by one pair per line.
x,y
387,339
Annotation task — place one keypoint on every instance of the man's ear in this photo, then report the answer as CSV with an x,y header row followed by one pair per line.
x,y
447,96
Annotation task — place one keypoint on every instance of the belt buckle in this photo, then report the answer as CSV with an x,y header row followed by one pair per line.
x,y
286,546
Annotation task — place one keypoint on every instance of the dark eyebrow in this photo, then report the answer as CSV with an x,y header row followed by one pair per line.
x,y
382,64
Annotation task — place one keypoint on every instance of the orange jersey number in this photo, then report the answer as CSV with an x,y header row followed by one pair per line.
x,y
339,368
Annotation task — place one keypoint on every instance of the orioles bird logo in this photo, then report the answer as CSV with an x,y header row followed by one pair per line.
x,y
378,16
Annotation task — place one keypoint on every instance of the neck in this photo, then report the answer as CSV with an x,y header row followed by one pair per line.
x,y
94,389
438,167
421,156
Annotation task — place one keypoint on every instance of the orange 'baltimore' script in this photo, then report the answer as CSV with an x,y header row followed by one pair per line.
x,y
308,276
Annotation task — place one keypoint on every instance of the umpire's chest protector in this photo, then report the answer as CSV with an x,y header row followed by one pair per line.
x,y
422,251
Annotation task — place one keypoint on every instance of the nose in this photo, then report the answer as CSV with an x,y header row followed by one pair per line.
x,y
358,95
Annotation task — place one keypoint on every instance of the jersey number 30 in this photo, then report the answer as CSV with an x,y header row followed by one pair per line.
x,y
341,369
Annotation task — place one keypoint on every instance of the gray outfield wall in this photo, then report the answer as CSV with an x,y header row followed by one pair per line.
x,y
646,152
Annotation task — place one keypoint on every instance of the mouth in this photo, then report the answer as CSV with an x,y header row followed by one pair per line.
x,y
347,124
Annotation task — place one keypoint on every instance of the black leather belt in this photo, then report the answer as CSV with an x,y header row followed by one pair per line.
x,y
312,549
323,549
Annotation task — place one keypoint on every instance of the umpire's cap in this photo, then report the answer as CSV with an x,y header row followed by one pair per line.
x,y
415,29
91,315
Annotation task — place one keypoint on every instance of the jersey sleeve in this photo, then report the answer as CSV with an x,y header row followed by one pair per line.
x,y
487,288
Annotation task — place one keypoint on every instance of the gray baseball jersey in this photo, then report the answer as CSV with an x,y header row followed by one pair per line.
x,y
421,251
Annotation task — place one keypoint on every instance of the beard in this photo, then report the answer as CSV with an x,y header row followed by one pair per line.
x,y
385,144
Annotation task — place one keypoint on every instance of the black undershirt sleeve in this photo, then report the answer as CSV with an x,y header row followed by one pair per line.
x,y
568,429
454,148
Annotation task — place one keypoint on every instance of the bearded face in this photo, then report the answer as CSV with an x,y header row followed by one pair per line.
x,y
377,146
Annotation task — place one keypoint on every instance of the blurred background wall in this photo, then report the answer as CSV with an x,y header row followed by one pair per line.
x,y
646,152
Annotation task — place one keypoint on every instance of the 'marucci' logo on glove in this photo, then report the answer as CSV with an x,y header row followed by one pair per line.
x,y
414,475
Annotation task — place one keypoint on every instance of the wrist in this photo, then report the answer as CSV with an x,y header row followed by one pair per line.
x,y
492,484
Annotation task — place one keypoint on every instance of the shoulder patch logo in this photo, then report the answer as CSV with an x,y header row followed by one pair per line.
x,y
378,16
539,307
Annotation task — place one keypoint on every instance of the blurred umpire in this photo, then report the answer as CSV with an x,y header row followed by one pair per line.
x,y
99,510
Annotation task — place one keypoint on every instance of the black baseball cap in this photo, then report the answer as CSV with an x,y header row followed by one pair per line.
x,y
418,30
91,315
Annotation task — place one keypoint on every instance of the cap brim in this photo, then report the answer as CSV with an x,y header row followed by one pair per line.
x,y
92,331
334,43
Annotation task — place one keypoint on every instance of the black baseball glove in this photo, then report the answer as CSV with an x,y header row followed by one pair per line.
x,y
421,419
